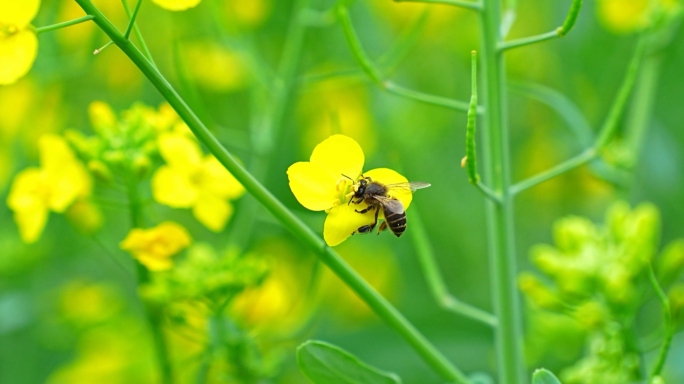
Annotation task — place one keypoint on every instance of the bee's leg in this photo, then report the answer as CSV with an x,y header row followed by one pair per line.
x,y
369,228
368,208
382,227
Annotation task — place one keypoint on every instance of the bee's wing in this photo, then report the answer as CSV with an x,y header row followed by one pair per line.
x,y
390,205
412,186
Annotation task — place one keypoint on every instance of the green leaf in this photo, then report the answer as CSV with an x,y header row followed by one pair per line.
x,y
325,363
542,376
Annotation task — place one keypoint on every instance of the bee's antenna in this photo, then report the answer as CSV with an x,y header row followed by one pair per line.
x,y
347,177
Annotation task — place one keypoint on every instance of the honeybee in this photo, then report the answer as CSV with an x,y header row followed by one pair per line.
x,y
376,195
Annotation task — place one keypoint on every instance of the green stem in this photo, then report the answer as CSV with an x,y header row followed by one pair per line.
x,y
474,5
561,31
374,300
154,317
528,40
131,22
617,108
471,156
138,35
64,24
495,197
378,78
641,106
438,288
667,318
559,169
500,231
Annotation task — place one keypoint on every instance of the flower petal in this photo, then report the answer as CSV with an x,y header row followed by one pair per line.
x,y
339,155
212,212
180,152
17,54
216,179
18,13
343,220
173,189
31,223
176,5
387,176
313,186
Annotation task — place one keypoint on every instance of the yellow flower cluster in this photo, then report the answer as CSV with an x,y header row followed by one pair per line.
x,y
59,182
176,5
18,42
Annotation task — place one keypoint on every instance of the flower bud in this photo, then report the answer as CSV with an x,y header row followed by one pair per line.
x,y
676,298
141,165
114,157
102,118
537,292
571,234
590,315
671,262
85,216
100,170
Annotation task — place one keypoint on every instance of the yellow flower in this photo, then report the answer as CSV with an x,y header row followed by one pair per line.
x,y
216,68
18,43
626,16
176,5
154,247
322,184
192,181
55,186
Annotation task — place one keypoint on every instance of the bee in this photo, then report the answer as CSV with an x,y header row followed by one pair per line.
x,y
377,196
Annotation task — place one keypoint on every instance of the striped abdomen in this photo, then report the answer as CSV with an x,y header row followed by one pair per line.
x,y
395,216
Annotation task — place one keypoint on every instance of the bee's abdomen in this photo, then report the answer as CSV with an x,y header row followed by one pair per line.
x,y
396,222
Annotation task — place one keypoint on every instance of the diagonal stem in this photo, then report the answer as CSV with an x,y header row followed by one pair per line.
x,y
667,318
438,288
375,301
131,22
64,24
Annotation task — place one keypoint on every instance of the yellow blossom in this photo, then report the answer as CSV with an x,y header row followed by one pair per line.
x,y
18,43
55,186
176,5
190,180
323,184
216,68
626,16
154,247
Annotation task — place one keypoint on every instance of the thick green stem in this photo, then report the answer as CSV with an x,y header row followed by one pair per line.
x,y
500,231
374,300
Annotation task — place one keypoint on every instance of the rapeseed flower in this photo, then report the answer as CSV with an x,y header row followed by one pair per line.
x,y
18,42
59,182
191,180
154,247
325,181
627,16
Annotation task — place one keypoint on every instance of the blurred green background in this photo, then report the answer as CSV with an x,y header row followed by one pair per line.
x,y
214,55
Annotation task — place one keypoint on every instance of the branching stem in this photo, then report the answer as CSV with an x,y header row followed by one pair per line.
x,y
667,318
438,288
131,22
561,31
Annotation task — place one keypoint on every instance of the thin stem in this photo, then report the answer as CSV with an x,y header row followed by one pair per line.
x,y
438,288
378,78
561,31
559,169
131,22
154,317
474,5
528,40
495,197
425,97
620,102
374,300
138,35
500,230
64,24
667,318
